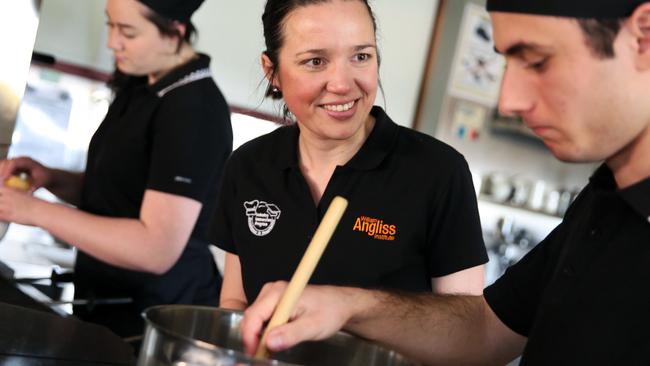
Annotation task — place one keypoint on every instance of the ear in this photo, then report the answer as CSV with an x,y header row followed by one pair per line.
x,y
267,67
174,41
639,25
181,27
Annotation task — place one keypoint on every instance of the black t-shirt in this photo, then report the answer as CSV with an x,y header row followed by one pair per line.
x,y
579,296
412,212
173,137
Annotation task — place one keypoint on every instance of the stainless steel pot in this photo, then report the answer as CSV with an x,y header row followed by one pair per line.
x,y
185,335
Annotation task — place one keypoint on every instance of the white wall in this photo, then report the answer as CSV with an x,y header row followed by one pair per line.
x,y
74,31
231,32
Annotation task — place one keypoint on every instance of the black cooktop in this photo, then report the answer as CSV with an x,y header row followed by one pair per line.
x,y
31,334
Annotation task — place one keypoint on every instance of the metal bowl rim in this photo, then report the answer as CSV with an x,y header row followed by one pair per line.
x,y
199,343
340,333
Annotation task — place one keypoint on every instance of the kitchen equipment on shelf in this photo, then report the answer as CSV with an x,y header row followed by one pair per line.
x,y
533,195
202,336
521,188
506,244
537,195
497,187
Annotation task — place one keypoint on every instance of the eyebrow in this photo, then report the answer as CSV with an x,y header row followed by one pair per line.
x,y
322,51
520,48
119,25
124,26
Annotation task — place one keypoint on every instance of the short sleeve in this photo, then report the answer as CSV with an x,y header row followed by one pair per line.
x,y
455,240
220,226
191,140
516,296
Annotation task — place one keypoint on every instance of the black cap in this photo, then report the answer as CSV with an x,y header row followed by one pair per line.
x,y
180,10
599,9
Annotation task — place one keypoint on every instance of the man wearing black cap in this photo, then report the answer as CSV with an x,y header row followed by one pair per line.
x,y
578,73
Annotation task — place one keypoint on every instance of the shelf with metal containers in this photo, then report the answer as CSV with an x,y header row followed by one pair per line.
x,y
519,192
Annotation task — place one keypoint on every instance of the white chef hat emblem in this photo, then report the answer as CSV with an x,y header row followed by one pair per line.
x,y
261,216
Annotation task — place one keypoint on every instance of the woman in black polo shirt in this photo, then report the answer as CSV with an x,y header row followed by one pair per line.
x,y
152,173
412,220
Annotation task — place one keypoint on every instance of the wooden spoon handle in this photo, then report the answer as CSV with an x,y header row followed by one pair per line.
x,y
306,267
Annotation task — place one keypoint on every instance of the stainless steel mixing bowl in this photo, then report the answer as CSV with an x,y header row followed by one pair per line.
x,y
185,335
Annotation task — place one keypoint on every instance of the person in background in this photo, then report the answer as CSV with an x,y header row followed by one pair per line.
x,y
412,221
151,178
578,74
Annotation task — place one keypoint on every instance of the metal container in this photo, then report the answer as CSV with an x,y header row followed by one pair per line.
x,y
185,335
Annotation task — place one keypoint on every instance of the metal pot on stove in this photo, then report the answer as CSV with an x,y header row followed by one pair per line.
x,y
200,336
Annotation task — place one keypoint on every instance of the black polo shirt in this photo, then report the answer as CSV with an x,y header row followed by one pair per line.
x,y
173,136
581,295
412,212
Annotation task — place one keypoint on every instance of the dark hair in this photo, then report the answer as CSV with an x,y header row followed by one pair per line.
x,y
600,35
275,12
167,27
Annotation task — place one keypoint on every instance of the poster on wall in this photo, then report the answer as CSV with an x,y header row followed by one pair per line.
x,y
467,119
476,69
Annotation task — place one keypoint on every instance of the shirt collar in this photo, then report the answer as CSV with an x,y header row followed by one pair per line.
x,y
178,73
374,150
636,196
603,179
285,147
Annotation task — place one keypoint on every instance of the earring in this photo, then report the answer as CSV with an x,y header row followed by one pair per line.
x,y
275,92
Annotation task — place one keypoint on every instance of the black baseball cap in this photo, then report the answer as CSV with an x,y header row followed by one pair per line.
x,y
180,10
599,9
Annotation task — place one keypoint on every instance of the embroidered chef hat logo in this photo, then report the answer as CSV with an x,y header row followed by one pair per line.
x,y
261,216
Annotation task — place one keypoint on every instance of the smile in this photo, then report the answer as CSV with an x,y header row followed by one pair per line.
x,y
339,107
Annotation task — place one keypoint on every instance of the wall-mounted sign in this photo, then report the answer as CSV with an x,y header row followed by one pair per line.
x,y
467,120
476,69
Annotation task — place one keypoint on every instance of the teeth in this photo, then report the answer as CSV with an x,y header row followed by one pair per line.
x,y
339,107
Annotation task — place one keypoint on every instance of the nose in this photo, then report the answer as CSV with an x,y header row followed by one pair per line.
x,y
340,78
114,42
517,94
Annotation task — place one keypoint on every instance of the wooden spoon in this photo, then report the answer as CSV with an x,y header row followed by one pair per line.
x,y
306,267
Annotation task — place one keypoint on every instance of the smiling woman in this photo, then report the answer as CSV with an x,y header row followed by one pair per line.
x,y
151,177
406,227
321,80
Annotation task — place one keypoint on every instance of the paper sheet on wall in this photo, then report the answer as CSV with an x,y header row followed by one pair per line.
x,y
42,124
476,69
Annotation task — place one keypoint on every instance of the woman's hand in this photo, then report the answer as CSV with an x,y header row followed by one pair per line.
x,y
39,175
17,206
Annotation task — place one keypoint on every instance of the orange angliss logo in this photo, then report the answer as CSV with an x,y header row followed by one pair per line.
x,y
375,228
